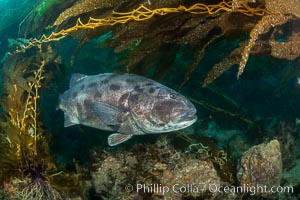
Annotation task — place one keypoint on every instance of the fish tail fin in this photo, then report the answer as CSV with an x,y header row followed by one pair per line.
x,y
58,102
67,121
117,138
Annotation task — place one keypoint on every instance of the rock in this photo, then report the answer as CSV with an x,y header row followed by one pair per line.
x,y
261,166
192,179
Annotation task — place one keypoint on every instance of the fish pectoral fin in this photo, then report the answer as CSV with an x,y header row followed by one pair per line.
x,y
117,138
107,113
67,121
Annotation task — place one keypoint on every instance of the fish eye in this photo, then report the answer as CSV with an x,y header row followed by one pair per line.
x,y
173,95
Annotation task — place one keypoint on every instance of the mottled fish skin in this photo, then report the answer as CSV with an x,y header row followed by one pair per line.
x,y
127,104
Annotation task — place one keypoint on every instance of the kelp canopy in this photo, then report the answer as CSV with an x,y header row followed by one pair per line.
x,y
197,24
194,42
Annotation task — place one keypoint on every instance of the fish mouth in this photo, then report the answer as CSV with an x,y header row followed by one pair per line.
x,y
189,116
186,122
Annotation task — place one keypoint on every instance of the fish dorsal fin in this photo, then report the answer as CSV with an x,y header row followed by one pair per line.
x,y
117,138
76,78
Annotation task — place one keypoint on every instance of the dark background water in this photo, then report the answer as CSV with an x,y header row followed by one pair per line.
x,y
259,95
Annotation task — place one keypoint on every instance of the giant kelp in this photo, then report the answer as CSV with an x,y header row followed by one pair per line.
x,y
27,169
19,103
197,25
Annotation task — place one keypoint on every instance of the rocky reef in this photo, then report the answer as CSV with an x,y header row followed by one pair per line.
x,y
155,168
159,171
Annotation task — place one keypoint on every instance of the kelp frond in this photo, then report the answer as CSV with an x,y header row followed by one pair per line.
x,y
27,166
261,27
140,14
26,122
27,140
192,31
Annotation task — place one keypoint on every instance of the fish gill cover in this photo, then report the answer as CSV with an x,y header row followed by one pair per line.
x,y
247,132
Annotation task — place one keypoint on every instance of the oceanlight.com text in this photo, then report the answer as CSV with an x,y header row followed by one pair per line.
x,y
252,190
213,188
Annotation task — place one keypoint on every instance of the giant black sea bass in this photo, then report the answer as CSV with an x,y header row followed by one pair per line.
x,y
125,104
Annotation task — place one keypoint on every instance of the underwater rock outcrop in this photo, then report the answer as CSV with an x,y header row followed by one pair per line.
x,y
261,165
194,171
154,166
